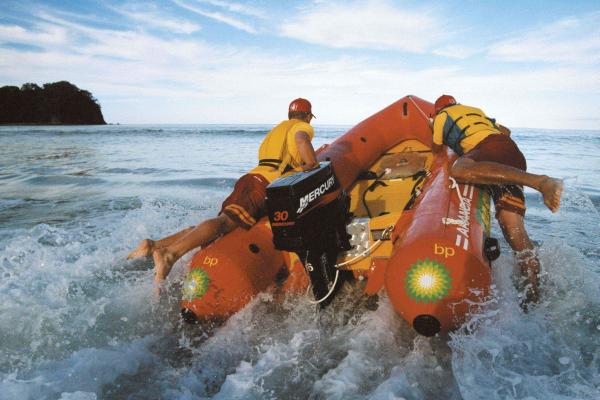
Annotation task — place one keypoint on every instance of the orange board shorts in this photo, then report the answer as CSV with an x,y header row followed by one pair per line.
x,y
503,150
246,204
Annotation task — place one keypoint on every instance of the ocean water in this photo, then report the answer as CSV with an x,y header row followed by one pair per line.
x,y
78,321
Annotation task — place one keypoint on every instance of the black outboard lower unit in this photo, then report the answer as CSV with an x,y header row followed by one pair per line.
x,y
308,212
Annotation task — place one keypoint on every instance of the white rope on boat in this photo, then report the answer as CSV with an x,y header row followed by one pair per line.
x,y
421,111
349,262
453,221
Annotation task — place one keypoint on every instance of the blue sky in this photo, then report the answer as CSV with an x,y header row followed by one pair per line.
x,y
527,63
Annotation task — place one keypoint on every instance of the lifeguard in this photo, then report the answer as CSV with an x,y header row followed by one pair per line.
x,y
286,147
490,157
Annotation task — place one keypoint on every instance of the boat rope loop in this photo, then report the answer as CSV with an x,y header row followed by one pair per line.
x,y
453,221
359,257
427,118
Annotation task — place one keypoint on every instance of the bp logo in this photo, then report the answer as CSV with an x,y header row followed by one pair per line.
x,y
428,281
195,285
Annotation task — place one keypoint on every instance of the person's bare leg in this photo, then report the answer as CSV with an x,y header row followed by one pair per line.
x,y
487,172
513,228
147,246
202,235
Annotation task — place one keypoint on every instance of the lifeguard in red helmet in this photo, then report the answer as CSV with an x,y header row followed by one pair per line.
x,y
488,156
286,147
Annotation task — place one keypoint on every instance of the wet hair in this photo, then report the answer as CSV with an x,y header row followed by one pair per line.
x,y
298,114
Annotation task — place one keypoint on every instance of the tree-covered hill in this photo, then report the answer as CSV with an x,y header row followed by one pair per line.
x,y
54,103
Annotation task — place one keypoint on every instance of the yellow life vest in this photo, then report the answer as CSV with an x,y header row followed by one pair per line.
x,y
464,127
278,152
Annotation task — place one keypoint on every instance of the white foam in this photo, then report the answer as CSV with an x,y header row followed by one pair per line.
x,y
79,322
547,353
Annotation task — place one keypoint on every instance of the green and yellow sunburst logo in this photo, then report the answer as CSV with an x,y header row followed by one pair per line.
x,y
427,281
195,284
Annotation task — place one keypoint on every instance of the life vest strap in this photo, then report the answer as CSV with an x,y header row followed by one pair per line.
x,y
464,130
269,162
273,163
266,164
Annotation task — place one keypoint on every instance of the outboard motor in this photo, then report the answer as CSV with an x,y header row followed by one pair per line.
x,y
308,212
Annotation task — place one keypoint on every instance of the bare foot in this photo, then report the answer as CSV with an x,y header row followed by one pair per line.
x,y
144,249
551,189
163,262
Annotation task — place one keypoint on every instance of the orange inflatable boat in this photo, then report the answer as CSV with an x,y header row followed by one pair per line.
x,y
381,208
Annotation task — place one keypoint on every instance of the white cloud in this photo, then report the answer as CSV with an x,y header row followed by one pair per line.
x,y
235,7
139,76
126,44
45,35
537,98
375,24
236,23
156,18
455,51
574,40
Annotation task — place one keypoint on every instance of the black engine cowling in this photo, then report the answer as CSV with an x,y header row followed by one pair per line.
x,y
308,212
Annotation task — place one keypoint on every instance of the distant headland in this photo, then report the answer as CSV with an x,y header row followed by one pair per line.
x,y
58,103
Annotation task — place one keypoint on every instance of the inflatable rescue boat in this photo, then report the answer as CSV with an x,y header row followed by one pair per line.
x,y
382,208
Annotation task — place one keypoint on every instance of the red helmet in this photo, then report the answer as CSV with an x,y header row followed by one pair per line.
x,y
301,105
444,101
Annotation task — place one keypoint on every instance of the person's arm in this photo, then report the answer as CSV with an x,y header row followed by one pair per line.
x,y
504,130
306,150
436,148
438,134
